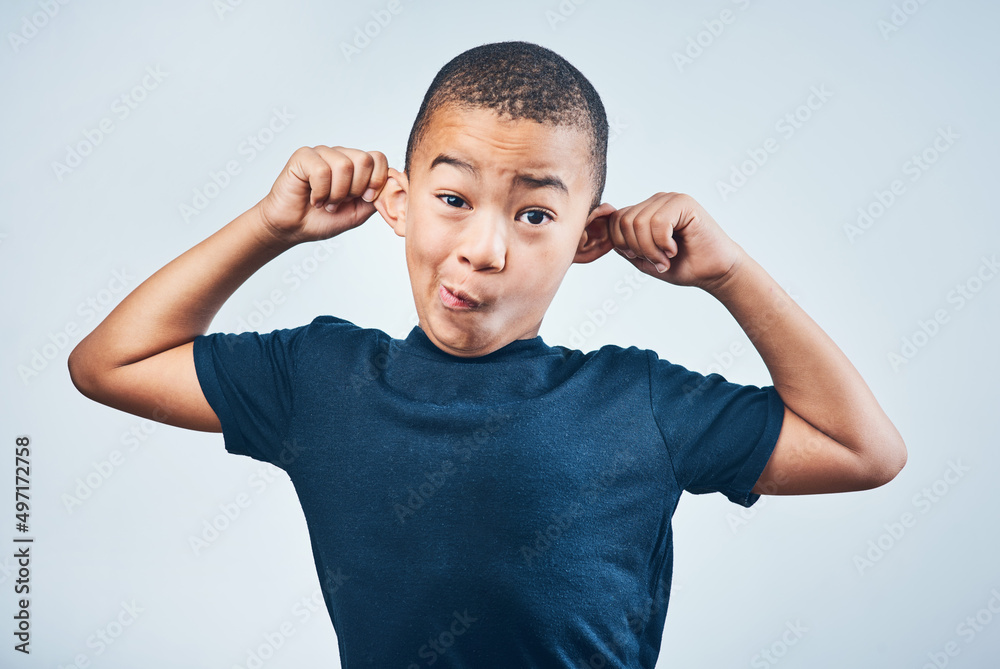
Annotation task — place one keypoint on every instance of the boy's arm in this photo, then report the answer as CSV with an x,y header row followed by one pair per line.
x,y
140,358
834,436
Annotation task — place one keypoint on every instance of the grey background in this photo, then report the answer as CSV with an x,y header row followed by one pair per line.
x,y
742,578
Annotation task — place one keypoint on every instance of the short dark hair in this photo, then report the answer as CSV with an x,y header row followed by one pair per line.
x,y
519,80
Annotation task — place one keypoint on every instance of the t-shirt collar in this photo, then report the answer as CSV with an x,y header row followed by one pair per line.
x,y
418,342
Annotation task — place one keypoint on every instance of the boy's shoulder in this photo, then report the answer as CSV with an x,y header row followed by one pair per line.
x,y
331,326
325,333
348,336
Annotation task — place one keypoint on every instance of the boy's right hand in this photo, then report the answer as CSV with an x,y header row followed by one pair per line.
x,y
323,191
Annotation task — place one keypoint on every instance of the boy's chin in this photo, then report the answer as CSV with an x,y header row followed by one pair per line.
x,y
466,340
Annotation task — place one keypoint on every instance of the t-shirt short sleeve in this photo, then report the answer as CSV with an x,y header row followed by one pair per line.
x,y
719,434
248,379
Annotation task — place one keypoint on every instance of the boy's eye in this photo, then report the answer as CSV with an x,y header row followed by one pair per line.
x,y
536,216
452,199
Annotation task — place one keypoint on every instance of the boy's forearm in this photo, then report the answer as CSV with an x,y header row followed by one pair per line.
x,y
811,374
179,301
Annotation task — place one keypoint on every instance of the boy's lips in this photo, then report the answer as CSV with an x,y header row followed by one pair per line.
x,y
457,298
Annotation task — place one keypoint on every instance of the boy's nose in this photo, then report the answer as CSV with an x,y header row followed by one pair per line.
x,y
484,242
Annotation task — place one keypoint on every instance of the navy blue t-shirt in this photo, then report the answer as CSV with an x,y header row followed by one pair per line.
x,y
510,510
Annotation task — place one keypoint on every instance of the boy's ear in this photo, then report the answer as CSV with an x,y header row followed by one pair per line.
x,y
391,201
596,239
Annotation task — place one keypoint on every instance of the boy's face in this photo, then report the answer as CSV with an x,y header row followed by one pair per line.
x,y
496,210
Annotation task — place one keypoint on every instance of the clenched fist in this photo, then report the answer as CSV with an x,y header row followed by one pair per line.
x,y
323,191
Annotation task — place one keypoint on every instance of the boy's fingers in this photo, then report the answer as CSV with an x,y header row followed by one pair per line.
x,y
659,232
363,165
643,230
615,229
670,247
341,169
638,231
632,247
317,172
379,176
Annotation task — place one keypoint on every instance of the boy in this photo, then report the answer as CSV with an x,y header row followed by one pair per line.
x,y
474,496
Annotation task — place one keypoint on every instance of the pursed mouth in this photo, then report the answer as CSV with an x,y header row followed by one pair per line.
x,y
456,298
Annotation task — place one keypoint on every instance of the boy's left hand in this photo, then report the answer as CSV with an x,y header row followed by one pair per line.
x,y
674,230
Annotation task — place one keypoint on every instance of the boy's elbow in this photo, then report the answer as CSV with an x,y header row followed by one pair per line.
x,y
76,370
892,460
81,372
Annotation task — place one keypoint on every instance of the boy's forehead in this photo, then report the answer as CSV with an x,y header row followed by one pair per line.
x,y
523,155
474,139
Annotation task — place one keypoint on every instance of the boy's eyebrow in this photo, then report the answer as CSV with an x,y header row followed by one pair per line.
x,y
520,179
